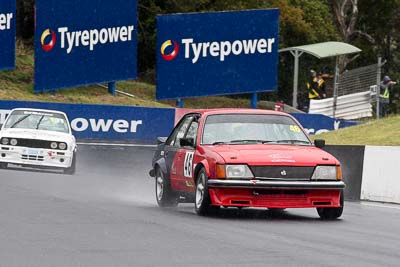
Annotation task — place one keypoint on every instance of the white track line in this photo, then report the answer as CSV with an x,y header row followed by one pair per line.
x,y
382,205
116,144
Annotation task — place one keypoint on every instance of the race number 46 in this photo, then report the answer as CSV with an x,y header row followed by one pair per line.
x,y
188,165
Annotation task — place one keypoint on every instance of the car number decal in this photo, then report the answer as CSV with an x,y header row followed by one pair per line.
x,y
295,128
188,165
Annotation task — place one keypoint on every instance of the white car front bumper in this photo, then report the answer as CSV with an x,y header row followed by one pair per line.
x,y
38,157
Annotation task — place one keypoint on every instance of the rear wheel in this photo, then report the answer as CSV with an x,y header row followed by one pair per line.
x,y
71,170
202,198
332,213
165,196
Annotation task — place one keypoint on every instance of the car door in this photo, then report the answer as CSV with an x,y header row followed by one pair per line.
x,y
172,146
185,157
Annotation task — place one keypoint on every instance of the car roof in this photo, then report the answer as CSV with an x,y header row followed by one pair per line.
x,y
40,110
237,111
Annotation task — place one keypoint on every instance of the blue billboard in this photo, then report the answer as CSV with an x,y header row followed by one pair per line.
x,y
217,53
316,124
81,42
7,34
107,122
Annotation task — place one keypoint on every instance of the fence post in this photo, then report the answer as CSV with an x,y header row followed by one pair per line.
x,y
179,103
111,88
254,100
335,87
378,87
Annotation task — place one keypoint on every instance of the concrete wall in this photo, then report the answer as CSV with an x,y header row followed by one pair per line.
x,y
352,160
381,178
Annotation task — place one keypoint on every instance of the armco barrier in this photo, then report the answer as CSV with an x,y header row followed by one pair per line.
x,y
349,107
106,122
381,179
352,160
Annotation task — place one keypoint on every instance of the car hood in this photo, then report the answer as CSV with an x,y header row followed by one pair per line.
x,y
37,134
268,154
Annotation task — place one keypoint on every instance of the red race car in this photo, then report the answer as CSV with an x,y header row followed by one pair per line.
x,y
246,158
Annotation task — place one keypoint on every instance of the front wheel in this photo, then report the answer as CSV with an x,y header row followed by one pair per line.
x,y
71,170
332,213
202,197
3,165
165,196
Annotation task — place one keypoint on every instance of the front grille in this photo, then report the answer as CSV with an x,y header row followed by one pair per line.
x,y
282,172
32,157
34,143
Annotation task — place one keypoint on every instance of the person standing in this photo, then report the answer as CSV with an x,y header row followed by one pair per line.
x,y
315,87
321,85
384,97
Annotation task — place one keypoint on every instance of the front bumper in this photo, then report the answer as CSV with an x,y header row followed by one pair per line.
x,y
276,184
40,157
275,194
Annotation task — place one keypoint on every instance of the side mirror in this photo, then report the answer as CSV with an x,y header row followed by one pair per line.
x,y
161,140
1,126
320,143
186,142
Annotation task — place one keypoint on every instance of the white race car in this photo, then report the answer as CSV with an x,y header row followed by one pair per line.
x,y
38,138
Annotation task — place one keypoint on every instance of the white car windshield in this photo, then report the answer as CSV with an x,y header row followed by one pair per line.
x,y
252,128
37,120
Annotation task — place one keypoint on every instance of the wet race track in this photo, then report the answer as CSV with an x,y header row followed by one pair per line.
x,y
106,215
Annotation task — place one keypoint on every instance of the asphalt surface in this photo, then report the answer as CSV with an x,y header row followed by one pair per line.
x,y
106,215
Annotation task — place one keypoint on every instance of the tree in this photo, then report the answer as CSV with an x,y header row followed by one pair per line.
x,y
346,13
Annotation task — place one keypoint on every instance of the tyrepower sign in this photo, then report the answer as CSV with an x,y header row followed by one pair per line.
x,y
106,122
81,42
217,53
7,34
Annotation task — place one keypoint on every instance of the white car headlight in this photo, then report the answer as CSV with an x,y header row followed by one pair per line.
x,y
4,141
53,145
62,146
238,171
324,173
13,142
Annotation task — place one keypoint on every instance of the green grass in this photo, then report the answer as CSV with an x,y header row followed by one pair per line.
x,y
18,85
384,132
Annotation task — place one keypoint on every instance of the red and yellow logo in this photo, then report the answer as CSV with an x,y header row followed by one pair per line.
x,y
174,52
50,45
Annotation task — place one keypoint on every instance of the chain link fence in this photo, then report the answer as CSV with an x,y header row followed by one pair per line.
x,y
358,80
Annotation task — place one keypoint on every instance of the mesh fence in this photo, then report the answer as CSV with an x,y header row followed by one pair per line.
x,y
357,80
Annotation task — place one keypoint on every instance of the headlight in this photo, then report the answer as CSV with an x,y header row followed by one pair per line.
x,y
4,141
53,145
325,173
13,142
234,171
62,146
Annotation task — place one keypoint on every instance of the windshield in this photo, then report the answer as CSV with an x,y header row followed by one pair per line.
x,y
23,119
252,128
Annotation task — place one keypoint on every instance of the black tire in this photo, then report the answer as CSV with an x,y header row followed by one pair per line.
x,y
3,165
165,196
332,213
71,170
202,203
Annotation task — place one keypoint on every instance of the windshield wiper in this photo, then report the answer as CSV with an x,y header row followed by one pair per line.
x,y
250,141
218,143
19,121
293,141
39,122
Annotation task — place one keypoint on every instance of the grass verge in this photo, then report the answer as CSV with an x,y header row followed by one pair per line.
x,y
383,132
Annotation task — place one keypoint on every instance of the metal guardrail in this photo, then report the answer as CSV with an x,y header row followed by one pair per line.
x,y
349,107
